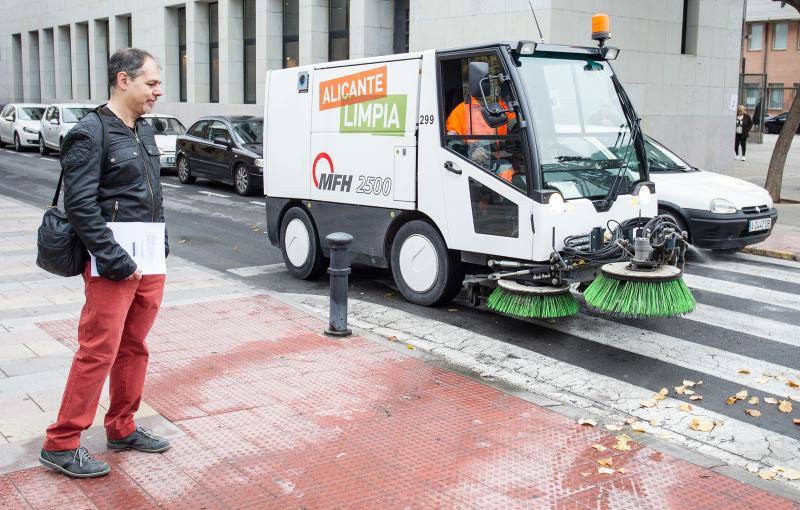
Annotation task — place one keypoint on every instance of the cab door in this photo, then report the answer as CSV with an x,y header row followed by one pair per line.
x,y
483,165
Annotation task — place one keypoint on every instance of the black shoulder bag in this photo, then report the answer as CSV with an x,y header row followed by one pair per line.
x,y
59,249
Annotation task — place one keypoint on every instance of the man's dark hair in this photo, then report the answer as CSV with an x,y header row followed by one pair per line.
x,y
128,61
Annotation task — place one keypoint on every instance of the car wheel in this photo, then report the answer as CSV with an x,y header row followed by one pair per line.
x,y
43,150
17,143
241,180
425,271
300,245
676,219
184,174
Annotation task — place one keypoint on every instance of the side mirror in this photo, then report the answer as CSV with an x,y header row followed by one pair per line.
x,y
222,141
479,87
53,121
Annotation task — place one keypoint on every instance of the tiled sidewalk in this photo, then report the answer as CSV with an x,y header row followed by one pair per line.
x,y
278,416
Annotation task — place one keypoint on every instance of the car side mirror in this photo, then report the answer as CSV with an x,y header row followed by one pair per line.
x,y
53,121
222,141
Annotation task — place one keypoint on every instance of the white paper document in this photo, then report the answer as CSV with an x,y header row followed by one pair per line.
x,y
144,242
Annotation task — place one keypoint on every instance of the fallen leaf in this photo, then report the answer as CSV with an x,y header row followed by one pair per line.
x,y
663,392
630,420
388,294
687,408
621,470
752,469
688,392
770,400
792,384
679,390
586,473
689,384
392,338
785,406
638,427
409,347
453,310
753,412
742,395
605,461
796,421
744,371
613,428
584,421
753,401
766,474
696,397
605,471
623,447
701,425
648,403
599,447
718,423
658,396
622,437
790,474
760,380
731,400
655,423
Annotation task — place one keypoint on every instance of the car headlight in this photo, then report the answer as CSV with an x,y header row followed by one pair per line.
x,y
722,206
30,131
259,163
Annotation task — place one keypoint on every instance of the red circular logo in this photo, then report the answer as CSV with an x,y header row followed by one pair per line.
x,y
321,155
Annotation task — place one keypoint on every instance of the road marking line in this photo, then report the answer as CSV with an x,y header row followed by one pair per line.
x,y
766,296
170,185
786,275
743,323
212,194
258,270
771,260
26,155
257,203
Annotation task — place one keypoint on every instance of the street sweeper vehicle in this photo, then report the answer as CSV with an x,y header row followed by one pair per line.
x,y
514,170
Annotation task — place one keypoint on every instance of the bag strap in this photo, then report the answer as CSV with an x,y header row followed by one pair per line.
x,y
54,203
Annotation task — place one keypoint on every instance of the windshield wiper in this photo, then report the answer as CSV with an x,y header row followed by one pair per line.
x,y
634,131
564,159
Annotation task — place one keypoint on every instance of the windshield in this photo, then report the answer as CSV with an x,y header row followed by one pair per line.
x,y
250,131
30,113
583,137
660,159
165,125
72,115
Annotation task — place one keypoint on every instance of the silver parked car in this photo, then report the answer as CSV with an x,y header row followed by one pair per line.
x,y
19,125
58,119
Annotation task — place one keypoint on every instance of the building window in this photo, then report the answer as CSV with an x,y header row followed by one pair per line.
x,y
182,57
756,37
291,33
776,96
780,36
339,30
249,20
213,51
751,95
690,26
130,31
401,25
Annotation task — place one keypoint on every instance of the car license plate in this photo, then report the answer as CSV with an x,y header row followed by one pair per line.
x,y
761,224
171,161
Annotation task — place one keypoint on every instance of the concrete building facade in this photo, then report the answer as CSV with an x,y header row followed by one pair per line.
x,y
679,58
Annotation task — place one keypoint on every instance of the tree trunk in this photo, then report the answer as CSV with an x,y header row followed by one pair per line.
x,y
781,149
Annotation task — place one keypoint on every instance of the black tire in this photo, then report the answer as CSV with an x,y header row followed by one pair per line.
x,y
184,173
242,182
43,150
313,265
676,218
17,143
448,279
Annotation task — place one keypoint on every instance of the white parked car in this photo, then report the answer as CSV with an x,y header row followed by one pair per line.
x,y
19,125
719,212
167,129
57,121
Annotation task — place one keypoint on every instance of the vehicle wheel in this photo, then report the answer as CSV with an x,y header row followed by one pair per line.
x,y
17,143
300,245
675,218
241,180
43,150
184,174
425,271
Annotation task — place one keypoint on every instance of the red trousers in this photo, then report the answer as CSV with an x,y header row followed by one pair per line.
x,y
111,335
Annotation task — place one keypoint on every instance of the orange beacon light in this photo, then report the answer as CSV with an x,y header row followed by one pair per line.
x,y
601,28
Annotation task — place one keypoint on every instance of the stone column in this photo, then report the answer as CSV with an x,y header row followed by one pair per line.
x,y
30,67
371,28
231,52
47,65
269,41
313,31
79,35
197,68
63,62
98,60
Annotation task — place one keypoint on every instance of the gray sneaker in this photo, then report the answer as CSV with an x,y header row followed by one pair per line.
x,y
76,463
141,439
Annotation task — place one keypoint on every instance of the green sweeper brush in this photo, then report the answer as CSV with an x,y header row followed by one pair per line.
x,y
532,301
651,284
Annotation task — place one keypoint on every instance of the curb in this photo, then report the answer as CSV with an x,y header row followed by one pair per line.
x,y
776,254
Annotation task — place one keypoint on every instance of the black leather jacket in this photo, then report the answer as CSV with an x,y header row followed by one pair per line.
x,y
124,187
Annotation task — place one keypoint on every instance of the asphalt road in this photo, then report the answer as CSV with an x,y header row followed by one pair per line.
x,y
212,226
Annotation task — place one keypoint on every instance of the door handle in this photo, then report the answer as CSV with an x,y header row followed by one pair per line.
x,y
450,166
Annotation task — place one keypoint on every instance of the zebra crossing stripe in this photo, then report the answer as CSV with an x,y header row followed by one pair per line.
x,y
743,323
766,296
749,269
768,260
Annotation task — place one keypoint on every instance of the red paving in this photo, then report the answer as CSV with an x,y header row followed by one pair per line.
x,y
278,416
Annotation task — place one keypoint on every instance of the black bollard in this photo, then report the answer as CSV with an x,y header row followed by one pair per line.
x,y
339,243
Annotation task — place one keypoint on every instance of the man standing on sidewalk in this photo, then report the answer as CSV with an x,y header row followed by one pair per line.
x,y
111,173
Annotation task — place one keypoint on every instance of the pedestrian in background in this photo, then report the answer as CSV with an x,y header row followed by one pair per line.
x,y
111,173
743,125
